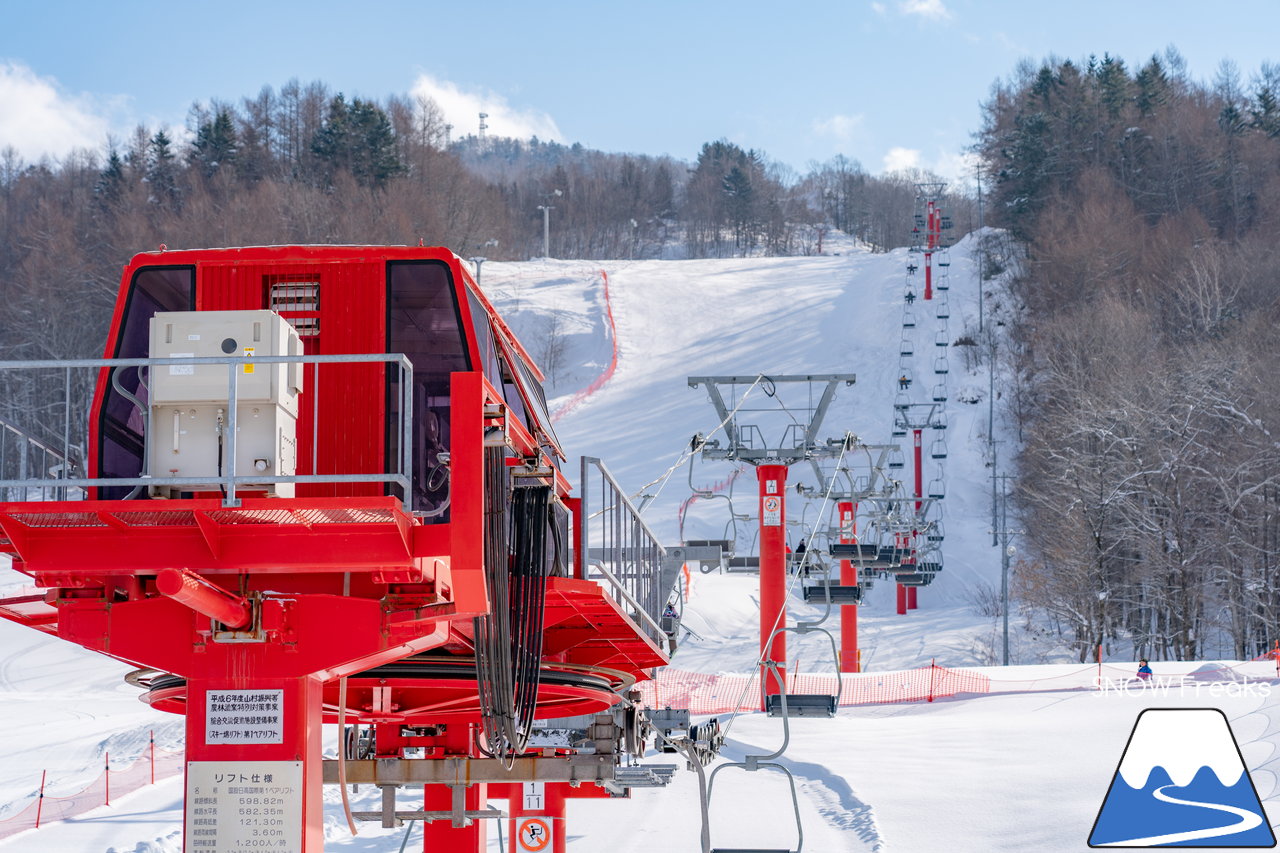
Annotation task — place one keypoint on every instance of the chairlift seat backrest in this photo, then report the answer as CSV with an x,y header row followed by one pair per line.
x,y
802,705
817,594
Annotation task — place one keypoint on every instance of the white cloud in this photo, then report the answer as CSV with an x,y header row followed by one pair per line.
x,y
925,9
900,158
462,110
879,8
37,118
841,128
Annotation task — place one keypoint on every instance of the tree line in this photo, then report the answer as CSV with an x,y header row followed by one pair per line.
x,y
1145,373
305,164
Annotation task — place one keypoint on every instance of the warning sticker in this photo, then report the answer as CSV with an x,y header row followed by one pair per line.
x,y
233,806
182,369
248,353
772,511
534,834
244,716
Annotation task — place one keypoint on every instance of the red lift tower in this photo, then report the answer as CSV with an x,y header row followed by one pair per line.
x,y
746,442
321,486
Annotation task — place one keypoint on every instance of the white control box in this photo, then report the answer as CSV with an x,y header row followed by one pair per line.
x,y
189,404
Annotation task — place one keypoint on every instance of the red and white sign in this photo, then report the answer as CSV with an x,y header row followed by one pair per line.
x,y
534,835
772,507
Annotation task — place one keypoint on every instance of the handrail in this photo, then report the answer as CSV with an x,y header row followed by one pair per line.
x,y
230,479
615,542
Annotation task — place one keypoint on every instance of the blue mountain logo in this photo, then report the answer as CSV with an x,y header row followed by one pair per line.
x,y
1181,783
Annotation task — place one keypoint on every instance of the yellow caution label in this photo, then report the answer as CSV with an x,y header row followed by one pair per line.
x,y
248,353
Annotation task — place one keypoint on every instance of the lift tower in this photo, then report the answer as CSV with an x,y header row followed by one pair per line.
x,y
746,442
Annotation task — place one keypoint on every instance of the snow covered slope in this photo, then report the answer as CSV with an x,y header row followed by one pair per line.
x,y
1003,772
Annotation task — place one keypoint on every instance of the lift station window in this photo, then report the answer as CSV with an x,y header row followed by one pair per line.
x,y
123,418
424,323
299,303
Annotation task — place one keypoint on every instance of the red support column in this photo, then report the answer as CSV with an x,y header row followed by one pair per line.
x,y
773,572
919,458
848,577
442,834
255,737
911,597
542,829
902,599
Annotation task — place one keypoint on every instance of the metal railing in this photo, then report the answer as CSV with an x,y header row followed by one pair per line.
x,y
619,550
22,452
64,484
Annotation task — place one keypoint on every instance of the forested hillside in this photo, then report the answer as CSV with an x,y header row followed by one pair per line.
x,y
306,164
1146,378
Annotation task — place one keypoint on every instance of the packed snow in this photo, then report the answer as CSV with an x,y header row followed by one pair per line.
x,y
1019,770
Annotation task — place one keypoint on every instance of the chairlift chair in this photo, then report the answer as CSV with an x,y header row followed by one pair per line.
x,y
942,339
906,348
897,459
789,705
944,311
936,532
938,450
940,366
940,392
908,320
752,763
937,489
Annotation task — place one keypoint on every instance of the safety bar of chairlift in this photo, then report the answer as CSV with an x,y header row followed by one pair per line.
x,y
752,763
231,480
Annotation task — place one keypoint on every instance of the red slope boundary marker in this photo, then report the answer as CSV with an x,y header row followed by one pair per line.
x,y
601,380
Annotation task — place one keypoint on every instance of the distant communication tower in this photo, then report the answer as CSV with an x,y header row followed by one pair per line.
x,y
483,127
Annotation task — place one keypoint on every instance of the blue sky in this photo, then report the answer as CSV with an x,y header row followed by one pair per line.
x,y
886,82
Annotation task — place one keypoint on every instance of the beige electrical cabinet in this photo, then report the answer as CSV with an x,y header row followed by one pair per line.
x,y
189,403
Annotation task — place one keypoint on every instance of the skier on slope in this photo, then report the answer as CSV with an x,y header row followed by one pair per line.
x,y
1144,670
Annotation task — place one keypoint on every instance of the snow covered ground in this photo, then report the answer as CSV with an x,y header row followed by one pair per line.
x,y
1015,771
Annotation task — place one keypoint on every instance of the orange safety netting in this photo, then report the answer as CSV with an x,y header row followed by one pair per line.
x,y
110,784
725,693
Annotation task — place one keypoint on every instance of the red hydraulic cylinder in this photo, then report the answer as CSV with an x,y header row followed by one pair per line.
x,y
773,573
203,597
911,597
848,577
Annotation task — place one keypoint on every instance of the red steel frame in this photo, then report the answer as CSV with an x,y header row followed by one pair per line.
x,y
773,574
848,577
339,583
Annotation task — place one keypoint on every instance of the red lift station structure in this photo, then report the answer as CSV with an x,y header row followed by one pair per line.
x,y
321,486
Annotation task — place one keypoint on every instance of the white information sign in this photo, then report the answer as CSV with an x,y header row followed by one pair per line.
x,y
182,369
535,794
237,806
772,511
244,716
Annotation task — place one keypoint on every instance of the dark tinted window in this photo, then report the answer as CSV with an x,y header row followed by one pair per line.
x,y
424,324
122,426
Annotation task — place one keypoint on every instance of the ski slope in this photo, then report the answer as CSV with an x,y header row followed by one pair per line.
x,y
1016,772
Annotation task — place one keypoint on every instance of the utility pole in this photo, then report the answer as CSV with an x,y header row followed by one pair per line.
x,y
981,252
478,262
1006,552
546,229
546,225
